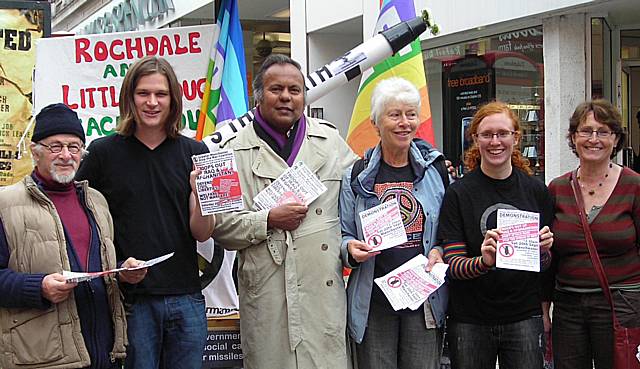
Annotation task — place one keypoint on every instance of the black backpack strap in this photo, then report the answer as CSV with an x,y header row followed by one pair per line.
x,y
425,149
441,167
438,163
358,167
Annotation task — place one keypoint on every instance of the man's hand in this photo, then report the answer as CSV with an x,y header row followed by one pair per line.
x,y
192,179
201,226
287,216
132,276
55,288
360,250
434,257
546,239
488,247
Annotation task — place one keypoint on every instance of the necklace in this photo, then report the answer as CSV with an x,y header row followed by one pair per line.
x,y
592,191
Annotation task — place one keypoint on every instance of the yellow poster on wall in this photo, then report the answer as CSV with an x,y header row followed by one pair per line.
x,y
19,29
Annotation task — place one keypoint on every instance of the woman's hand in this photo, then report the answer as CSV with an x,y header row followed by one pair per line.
x,y
488,247
434,257
360,250
546,239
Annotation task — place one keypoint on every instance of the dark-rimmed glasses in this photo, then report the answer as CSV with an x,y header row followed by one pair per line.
x,y
56,147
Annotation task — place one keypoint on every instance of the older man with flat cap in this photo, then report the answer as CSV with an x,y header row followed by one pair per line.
x,y
49,223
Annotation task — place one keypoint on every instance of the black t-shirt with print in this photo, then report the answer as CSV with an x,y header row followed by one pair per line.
x,y
469,209
397,183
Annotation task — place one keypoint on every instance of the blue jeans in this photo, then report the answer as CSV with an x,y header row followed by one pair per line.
x,y
398,340
583,330
516,345
166,332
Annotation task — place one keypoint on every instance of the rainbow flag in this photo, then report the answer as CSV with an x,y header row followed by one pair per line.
x,y
406,63
225,94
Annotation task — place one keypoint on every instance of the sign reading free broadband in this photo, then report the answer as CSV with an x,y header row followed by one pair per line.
x,y
86,71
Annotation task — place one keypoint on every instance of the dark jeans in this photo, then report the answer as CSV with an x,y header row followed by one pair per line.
x,y
166,332
583,329
398,341
516,345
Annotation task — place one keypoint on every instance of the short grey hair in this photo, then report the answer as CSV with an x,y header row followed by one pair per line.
x,y
393,90
258,80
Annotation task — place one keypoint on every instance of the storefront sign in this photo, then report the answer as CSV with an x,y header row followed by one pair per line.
x,y
85,72
466,85
129,15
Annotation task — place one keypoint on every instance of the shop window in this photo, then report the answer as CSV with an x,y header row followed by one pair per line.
x,y
506,67
600,59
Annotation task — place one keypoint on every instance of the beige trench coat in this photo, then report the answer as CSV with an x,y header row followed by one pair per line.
x,y
292,295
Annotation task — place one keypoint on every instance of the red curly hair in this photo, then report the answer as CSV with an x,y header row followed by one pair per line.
x,y
472,156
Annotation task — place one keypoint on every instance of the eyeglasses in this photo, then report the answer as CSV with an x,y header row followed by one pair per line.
x,y
56,147
488,136
589,133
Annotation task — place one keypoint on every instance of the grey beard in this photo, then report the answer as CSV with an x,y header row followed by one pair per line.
x,y
62,178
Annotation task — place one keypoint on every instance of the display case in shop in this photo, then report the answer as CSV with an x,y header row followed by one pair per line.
x,y
532,139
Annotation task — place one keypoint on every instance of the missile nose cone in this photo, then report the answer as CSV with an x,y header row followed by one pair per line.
x,y
403,33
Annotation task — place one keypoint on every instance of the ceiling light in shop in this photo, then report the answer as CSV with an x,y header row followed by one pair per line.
x,y
282,14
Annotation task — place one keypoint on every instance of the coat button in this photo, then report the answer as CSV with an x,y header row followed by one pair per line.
x,y
330,283
319,211
324,247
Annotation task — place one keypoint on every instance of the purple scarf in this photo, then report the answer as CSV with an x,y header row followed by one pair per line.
x,y
281,138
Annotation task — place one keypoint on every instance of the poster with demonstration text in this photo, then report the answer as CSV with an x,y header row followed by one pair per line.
x,y
519,243
382,226
296,184
85,72
218,184
409,285
20,27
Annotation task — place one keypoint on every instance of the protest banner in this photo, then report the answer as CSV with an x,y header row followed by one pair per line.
x,y
21,24
85,72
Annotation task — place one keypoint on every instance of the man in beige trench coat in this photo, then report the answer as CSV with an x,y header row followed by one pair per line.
x,y
292,295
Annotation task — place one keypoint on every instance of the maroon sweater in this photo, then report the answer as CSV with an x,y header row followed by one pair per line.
x,y
72,214
615,230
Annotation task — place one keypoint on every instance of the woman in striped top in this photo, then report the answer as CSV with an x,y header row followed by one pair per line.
x,y
582,323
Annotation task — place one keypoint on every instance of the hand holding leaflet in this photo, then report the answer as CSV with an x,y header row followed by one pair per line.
x,y
74,277
382,226
519,243
218,185
296,184
409,285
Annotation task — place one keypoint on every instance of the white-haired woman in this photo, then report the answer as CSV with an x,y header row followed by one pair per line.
x,y
412,172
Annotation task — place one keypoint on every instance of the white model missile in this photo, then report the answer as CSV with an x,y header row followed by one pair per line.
x,y
341,70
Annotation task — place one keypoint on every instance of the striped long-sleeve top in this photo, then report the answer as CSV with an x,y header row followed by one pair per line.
x,y
615,233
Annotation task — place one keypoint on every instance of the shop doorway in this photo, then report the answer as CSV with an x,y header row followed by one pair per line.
x,y
629,95
631,109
